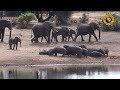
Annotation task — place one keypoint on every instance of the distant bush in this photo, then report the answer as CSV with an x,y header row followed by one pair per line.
x,y
114,27
84,19
24,20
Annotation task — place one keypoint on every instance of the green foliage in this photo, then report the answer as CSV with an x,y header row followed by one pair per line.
x,y
24,19
114,27
84,18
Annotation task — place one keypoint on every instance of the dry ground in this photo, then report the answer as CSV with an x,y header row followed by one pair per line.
x,y
28,53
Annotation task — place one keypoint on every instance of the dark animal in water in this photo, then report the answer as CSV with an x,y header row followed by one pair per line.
x,y
14,42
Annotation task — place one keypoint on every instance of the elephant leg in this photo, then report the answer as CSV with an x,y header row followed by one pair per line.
x,y
56,39
13,46
55,54
72,37
62,38
82,38
94,36
89,37
2,35
16,46
68,38
41,39
46,39
52,38
36,40
76,37
10,46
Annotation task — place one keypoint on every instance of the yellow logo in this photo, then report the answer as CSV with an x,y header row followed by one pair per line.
x,y
108,19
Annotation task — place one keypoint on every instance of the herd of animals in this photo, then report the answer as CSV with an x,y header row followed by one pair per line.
x,y
49,31
72,50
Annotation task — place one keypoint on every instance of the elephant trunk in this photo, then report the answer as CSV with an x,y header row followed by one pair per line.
x,y
10,33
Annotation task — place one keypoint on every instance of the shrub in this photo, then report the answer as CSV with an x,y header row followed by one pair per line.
x,y
114,27
24,19
84,18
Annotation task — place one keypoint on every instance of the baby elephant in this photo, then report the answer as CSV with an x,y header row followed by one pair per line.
x,y
58,50
14,42
96,54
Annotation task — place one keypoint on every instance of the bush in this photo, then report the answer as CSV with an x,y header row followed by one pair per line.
x,y
84,18
24,19
114,27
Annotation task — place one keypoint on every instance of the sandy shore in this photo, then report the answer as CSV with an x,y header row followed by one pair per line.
x,y
28,53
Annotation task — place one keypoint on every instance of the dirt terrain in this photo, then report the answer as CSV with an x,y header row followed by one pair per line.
x,y
29,53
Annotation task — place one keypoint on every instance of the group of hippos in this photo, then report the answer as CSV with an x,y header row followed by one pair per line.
x,y
73,50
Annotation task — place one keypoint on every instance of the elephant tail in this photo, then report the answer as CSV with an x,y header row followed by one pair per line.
x,y
31,33
99,34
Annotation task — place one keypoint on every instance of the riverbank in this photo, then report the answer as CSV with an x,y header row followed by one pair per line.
x,y
28,54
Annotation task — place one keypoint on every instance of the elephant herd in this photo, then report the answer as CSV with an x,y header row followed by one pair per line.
x,y
73,50
43,30
50,32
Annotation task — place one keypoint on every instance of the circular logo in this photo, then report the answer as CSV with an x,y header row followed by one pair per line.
x,y
108,19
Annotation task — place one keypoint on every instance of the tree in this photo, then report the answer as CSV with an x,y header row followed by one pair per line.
x,y
42,16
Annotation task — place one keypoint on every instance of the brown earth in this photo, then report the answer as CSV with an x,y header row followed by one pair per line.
x,y
29,53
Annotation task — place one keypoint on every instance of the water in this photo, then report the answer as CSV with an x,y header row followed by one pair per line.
x,y
62,72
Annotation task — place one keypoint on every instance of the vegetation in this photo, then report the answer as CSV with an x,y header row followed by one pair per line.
x,y
114,27
24,19
60,16
84,19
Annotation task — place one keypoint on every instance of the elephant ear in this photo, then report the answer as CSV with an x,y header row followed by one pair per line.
x,y
46,25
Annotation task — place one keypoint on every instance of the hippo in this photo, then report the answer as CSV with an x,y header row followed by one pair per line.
x,y
96,54
84,52
104,51
83,46
58,50
73,50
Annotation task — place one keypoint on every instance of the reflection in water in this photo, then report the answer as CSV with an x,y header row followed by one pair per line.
x,y
73,72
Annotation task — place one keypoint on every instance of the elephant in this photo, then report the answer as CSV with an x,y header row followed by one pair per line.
x,y
14,42
73,50
59,50
63,31
85,29
71,32
3,25
43,30
96,54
